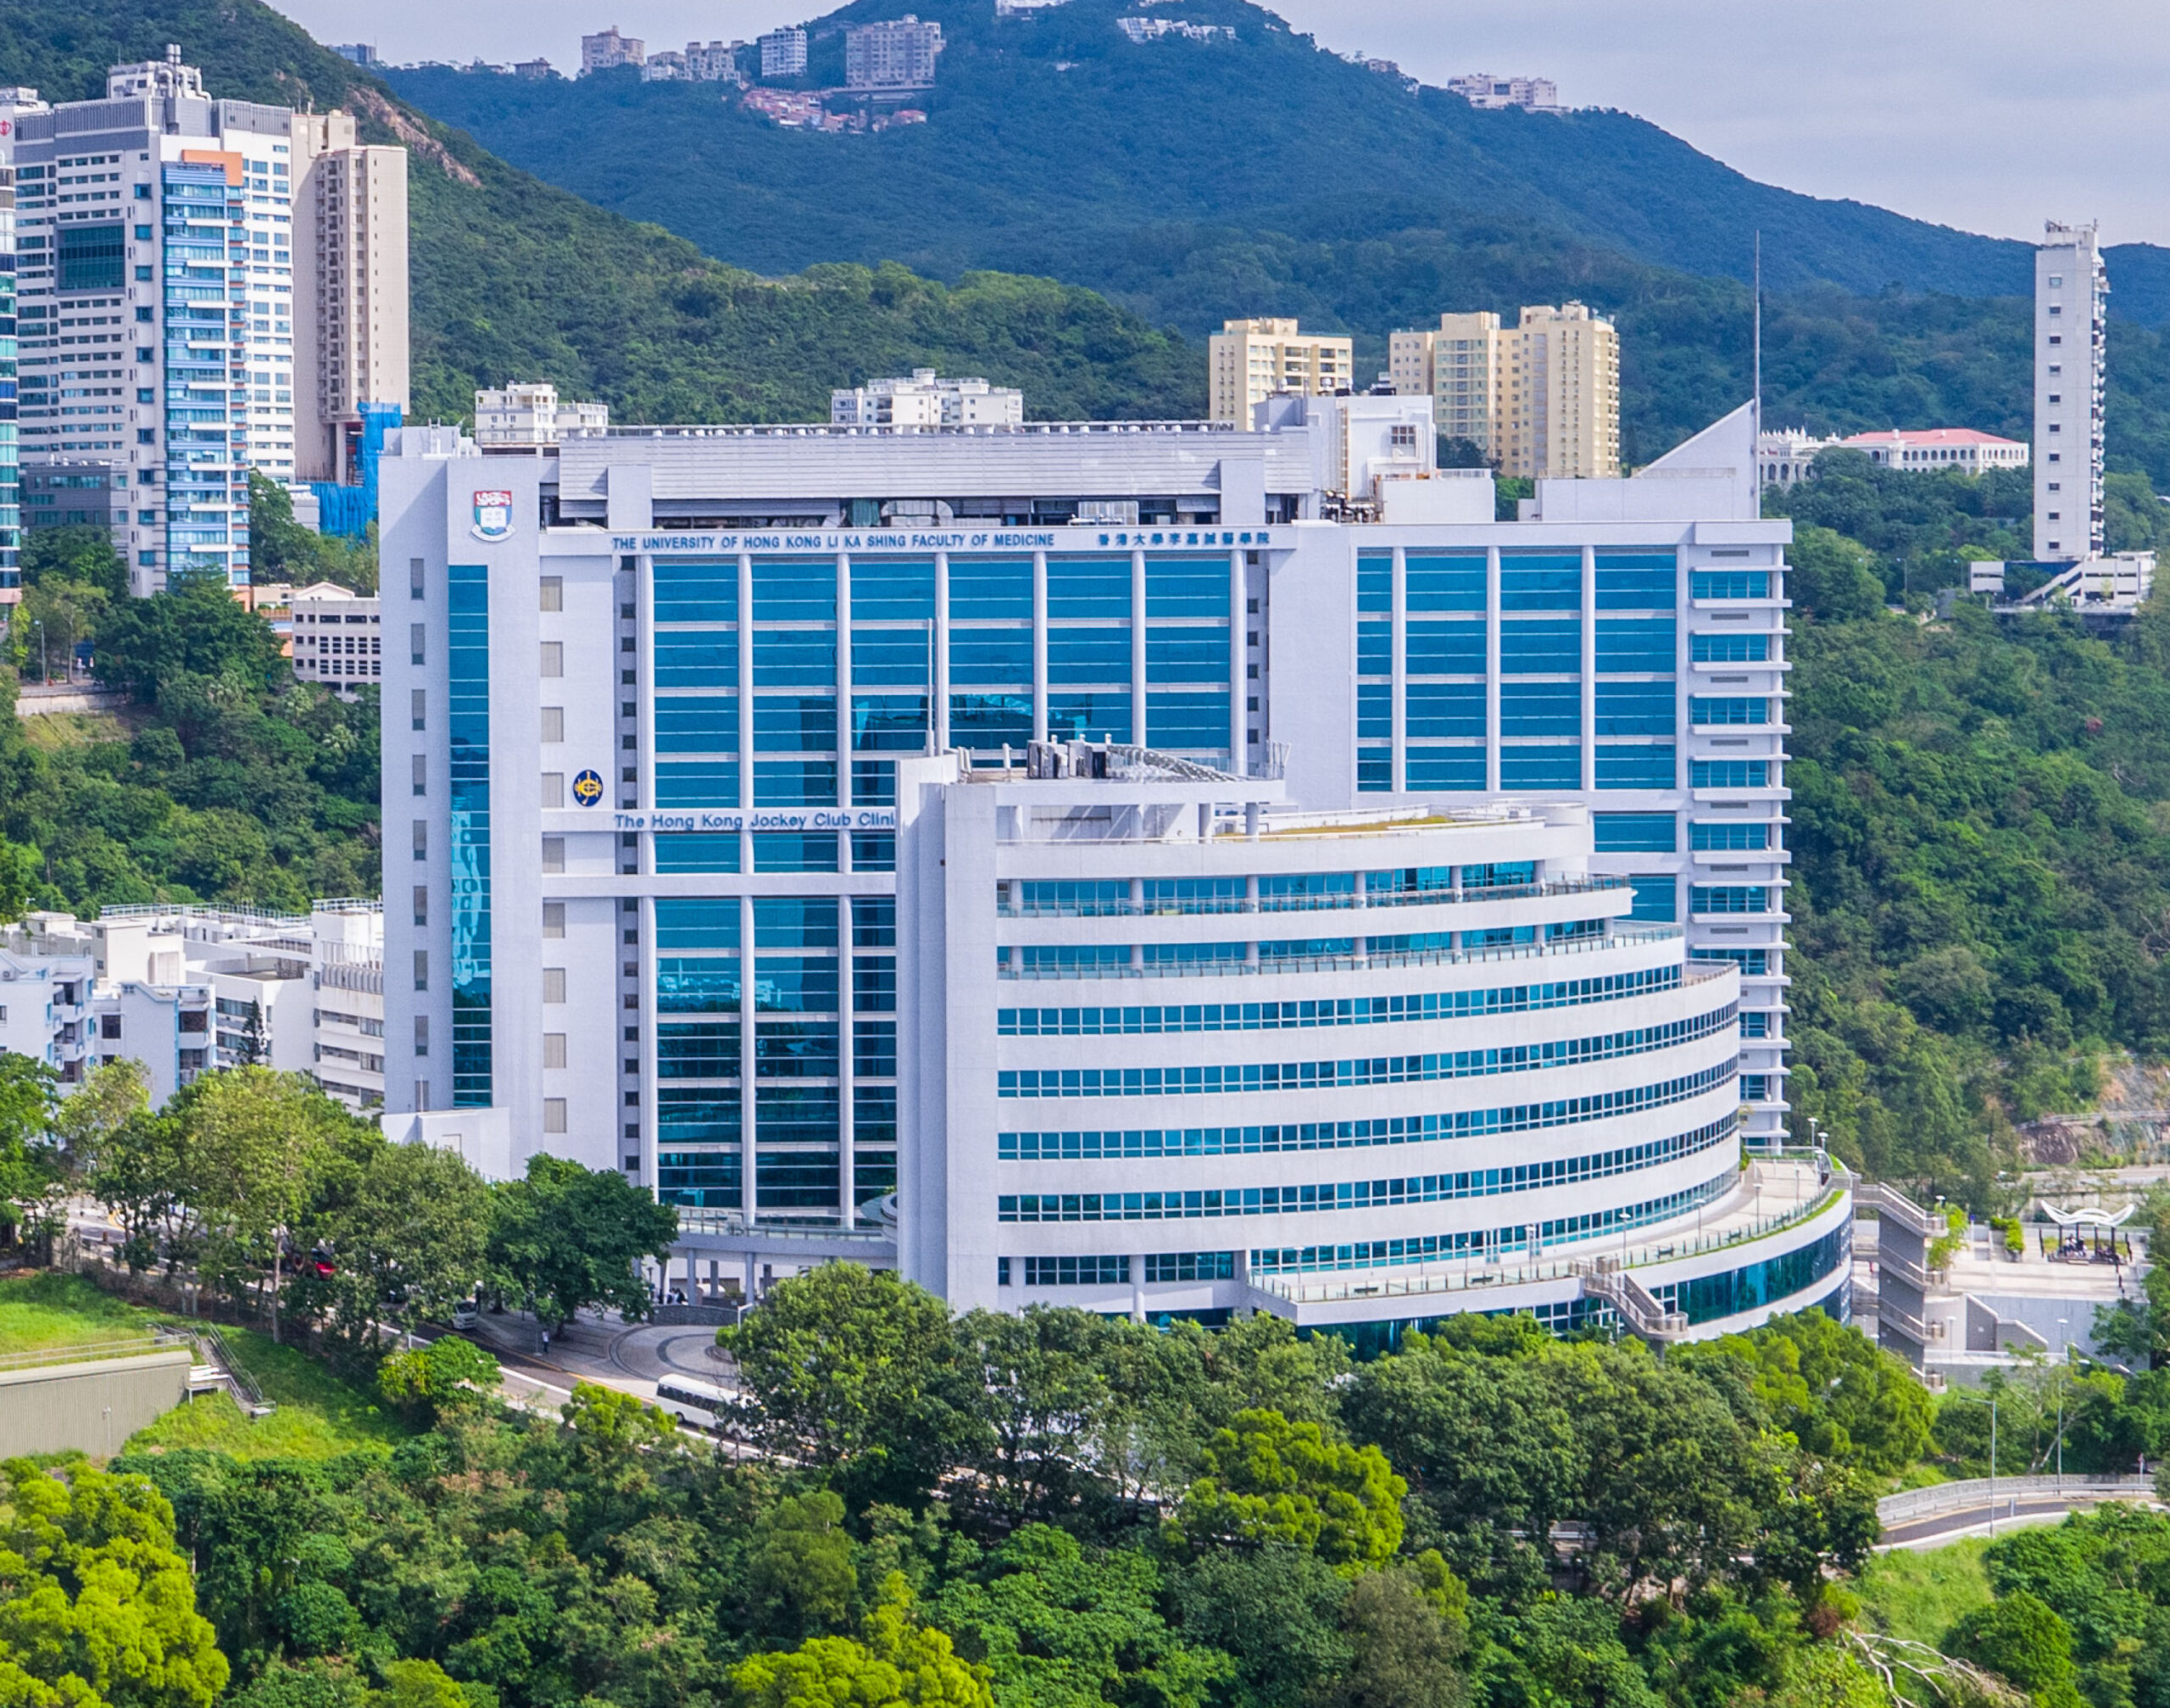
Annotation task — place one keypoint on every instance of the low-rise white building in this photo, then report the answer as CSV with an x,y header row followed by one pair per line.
x,y
1787,455
1482,89
335,636
924,400
528,412
184,990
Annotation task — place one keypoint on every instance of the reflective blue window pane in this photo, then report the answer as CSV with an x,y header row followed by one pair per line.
x,y
1446,582
892,589
1540,581
1375,649
1554,767
874,850
1374,771
796,1049
795,659
874,783
696,590
1444,649
1437,711
888,723
707,1049
1656,899
1729,836
1186,722
794,590
1729,774
686,923
1540,649
696,661
1633,833
1729,584
1729,649
1186,655
1088,717
697,851
707,725
993,658
984,722
1625,765
709,1115
990,587
1540,709
794,1180
794,921
794,723
891,658
794,851
1445,768
692,985
1185,587
1740,710
1088,655
1636,581
1375,712
1375,583
794,782
1635,709
697,783
1088,587
1635,644
796,984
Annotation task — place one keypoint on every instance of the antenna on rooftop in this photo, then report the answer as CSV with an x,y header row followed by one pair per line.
x,y
1756,451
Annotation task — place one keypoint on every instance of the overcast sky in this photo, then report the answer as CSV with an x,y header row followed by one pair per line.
x,y
1987,114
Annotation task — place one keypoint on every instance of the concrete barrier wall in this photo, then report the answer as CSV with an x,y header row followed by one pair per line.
x,y
94,1406
1958,1497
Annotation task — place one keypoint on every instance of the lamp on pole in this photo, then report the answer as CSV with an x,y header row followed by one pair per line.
x,y
2064,1362
44,674
1992,1466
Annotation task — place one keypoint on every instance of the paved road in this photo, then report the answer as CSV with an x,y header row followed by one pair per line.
x,y
1939,1528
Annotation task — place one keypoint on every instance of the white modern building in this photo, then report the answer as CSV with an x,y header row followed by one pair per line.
x,y
1788,455
2071,295
1482,90
643,760
336,636
183,990
206,287
528,412
896,53
607,50
925,400
783,52
1374,1066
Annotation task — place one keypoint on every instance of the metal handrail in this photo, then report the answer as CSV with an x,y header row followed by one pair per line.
x,y
1618,936
1218,905
88,1351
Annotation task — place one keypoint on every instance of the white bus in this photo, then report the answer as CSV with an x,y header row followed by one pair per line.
x,y
690,1401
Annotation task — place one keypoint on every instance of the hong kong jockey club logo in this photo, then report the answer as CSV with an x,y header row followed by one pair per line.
x,y
492,516
588,788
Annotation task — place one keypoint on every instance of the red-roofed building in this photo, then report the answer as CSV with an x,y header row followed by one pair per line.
x,y
1930,449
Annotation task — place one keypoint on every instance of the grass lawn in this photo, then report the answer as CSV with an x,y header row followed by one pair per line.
x,y
1922,1595
44,1309
319,1415
55,730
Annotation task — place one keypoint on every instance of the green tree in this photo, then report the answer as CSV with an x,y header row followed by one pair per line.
x,y
97,1606
568,1238
1058,1627
855,1372
408,1225
801,1568
430,1380
1268,1480
2020,1637
195,631
92,1119
1406,1642
900,1661
32,1165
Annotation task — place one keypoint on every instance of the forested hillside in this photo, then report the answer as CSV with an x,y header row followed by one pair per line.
x,y
1980,827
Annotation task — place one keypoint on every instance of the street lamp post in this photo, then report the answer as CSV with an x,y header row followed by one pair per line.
x,y
1992,1466
2064,1362
44,670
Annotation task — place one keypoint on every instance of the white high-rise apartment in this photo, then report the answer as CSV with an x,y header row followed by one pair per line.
x,y
608,50
2071,295
175,326
528,412
783,52
924,400
1250,361
896,54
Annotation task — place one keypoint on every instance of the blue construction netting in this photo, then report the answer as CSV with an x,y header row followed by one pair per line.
x,y
349,510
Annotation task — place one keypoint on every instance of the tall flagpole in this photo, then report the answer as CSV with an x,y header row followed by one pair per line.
x,y
1759,374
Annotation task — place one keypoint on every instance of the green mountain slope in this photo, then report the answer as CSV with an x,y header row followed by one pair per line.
x,y
1192,180
1052,133
515,279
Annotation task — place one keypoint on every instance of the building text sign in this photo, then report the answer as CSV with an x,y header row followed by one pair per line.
x,y
944,539
792,819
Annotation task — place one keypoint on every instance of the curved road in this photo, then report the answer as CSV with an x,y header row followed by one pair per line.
x,y
2011,1513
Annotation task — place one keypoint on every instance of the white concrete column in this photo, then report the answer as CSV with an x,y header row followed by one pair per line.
x,y
843,683
939,645
1138,730
1039,646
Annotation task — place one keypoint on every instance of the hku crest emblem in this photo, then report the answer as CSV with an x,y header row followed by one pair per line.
x,y
492,516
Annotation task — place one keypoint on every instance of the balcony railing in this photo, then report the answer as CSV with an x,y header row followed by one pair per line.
x,y
1337,900
1618,938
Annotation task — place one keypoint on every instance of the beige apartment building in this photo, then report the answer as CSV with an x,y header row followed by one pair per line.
x,y
1539,398
1252,360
